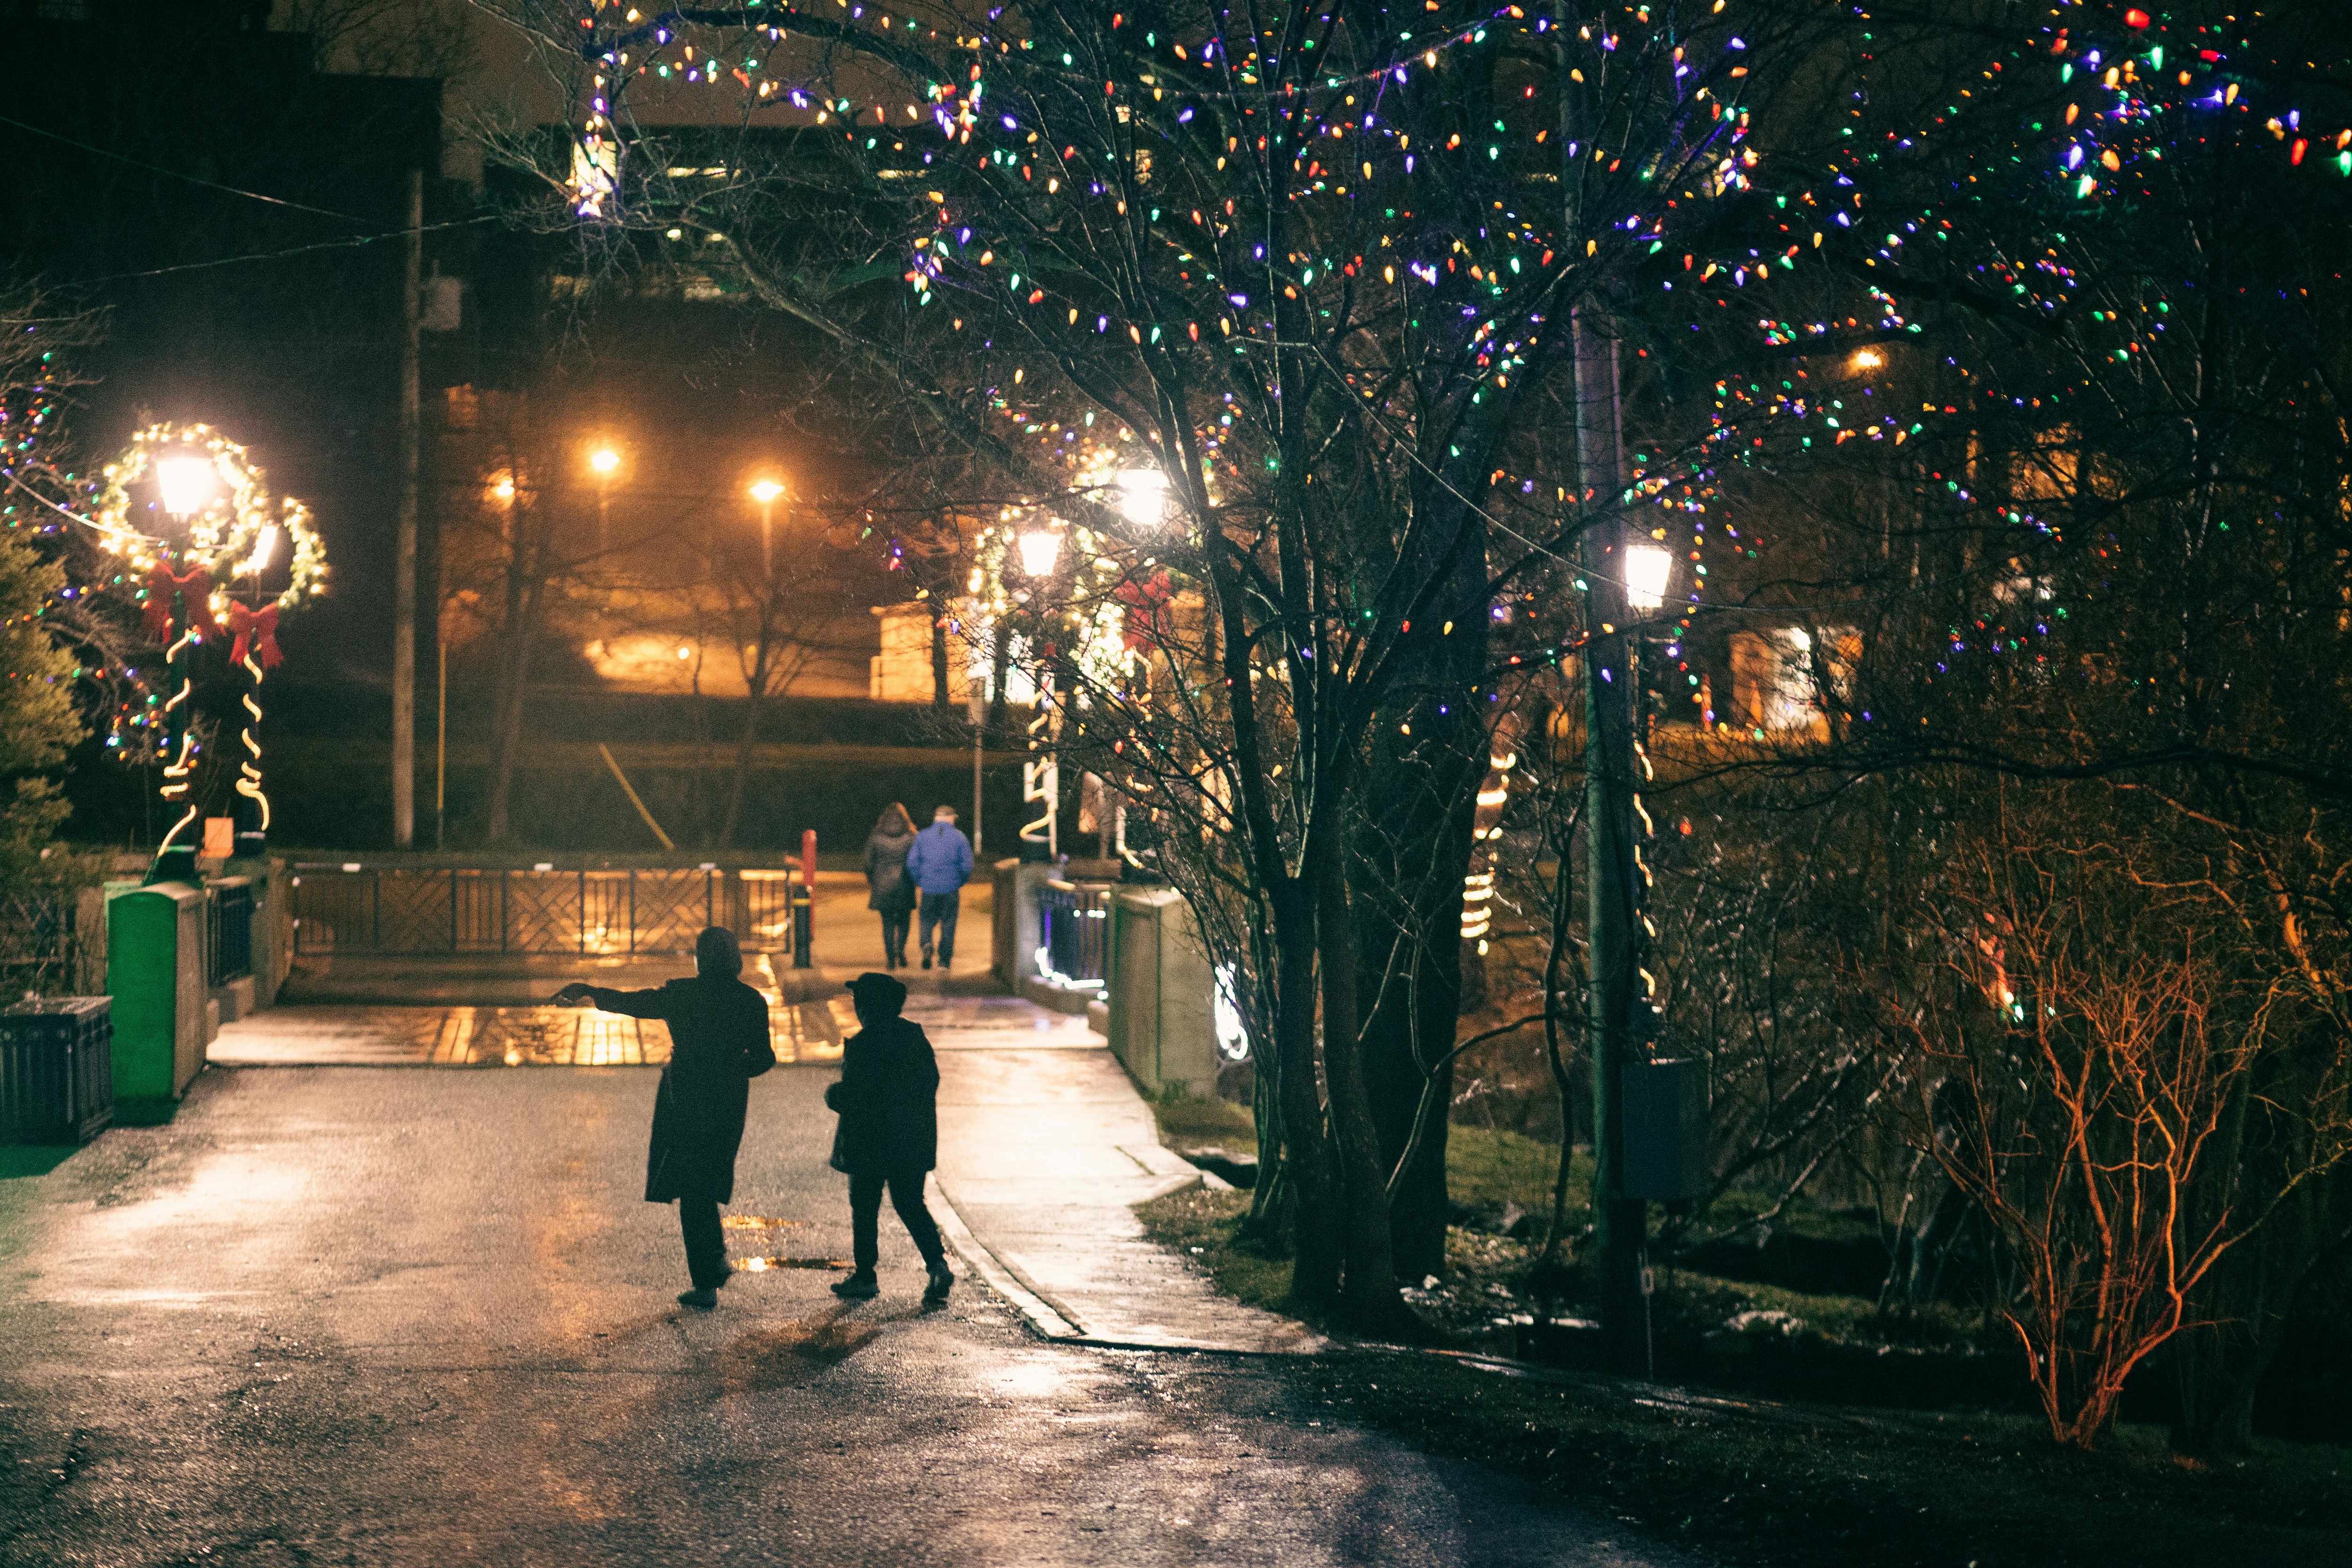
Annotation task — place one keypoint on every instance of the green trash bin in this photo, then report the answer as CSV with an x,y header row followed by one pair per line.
x,y
156,972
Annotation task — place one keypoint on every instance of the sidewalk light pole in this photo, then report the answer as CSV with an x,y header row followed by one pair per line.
x,y
1625,579
1041,775
186,484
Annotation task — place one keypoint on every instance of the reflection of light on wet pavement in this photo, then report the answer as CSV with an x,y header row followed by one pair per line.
x,y
492,1037
1045,1378
760,1222
762,1264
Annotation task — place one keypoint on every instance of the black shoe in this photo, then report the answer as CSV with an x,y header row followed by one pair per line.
x,y
856,1287
926,958
941,1283
702,1298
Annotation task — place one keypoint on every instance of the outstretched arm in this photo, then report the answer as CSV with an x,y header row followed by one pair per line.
x,y
632,1003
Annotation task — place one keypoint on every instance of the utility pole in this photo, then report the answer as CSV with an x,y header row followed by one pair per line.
x,y
403,614
1613,917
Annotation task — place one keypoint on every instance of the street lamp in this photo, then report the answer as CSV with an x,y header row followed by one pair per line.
x,y
1143,497
1040,549
604,462
186,484
765,493
1649,571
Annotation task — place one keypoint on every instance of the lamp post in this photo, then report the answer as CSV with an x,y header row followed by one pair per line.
x,y
186,484
1040,549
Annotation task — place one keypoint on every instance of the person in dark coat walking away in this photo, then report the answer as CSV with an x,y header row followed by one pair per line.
x,y
719,1044
889,1136
940,863
888,888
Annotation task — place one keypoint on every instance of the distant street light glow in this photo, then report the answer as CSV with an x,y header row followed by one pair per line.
x,y
765,491
187,481
1648,572
605,460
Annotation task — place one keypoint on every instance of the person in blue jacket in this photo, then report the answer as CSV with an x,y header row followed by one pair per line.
x,y
940,863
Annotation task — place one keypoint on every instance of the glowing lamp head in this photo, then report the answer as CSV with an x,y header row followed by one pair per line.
x,y
187,480
505,488
1040,549
765,491
1143,497
1649,571
1868,358
605,461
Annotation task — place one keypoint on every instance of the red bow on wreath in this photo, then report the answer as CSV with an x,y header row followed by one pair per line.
x,y
199,588
256,630
1147,610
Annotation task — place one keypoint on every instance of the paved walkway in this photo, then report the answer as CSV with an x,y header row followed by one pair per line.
x,y
413,1318
1046,1146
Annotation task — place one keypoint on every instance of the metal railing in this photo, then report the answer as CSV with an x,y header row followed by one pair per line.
x,y
1073,932
228,929
353,908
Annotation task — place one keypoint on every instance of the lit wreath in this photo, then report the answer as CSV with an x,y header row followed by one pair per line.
x,y
229,537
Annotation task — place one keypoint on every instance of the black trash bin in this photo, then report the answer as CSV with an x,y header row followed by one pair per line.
x,y
56,1069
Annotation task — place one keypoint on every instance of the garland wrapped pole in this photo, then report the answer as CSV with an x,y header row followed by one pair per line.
x,y
186,508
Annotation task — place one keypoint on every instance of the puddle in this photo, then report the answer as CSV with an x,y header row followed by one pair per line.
x,y
761,1265
762,1222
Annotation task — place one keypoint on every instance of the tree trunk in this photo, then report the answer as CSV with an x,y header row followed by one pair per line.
x,y
939,650
1307,1155
1369,1288
506,734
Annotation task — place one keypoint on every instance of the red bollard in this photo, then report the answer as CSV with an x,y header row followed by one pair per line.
x,y
804,902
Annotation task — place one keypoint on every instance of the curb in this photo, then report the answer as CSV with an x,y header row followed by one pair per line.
x,y
1042,1319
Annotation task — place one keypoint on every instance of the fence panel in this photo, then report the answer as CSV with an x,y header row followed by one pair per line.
x,y
1074,925
335,909
670,908
543,911
228,931
517,911
766,922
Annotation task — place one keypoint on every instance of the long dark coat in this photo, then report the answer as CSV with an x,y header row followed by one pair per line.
x,y
889,1100
887,887
719,1044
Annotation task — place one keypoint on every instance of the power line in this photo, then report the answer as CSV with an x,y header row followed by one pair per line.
x,y
192,179
350,244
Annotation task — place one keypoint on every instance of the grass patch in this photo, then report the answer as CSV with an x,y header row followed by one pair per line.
x,y
1789,1485
1203,1226
1488,1168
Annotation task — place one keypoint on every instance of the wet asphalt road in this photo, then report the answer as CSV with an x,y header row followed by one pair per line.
x,y
414,1316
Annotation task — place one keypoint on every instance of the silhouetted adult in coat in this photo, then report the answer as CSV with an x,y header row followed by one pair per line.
x,y
889,891
889,1135
719,1044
